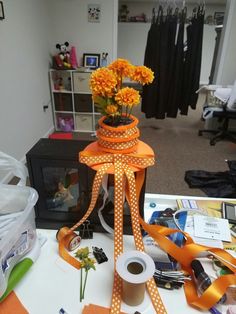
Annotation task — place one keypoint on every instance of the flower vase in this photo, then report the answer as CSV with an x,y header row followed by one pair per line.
x,y
118,139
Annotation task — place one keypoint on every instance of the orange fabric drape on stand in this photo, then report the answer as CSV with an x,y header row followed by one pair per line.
x,y
124,165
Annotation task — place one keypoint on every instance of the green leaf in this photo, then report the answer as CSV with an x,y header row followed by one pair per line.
x,y
98,100
102,111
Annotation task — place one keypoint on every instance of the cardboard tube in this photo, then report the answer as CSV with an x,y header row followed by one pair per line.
x,y
133,294
135,268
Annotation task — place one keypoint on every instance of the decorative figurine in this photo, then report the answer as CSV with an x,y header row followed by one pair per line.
x,y
104,59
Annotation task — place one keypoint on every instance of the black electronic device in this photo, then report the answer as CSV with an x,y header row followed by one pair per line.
x,y
229,212
99,255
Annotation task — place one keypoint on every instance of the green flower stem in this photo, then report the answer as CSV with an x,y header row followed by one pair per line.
x,y
120,109
131,107
81,284
86,276
126,111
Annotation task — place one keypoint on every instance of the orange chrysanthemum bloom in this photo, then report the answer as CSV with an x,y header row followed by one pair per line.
x,y
111,109
127,97
142,74
103,82
121,67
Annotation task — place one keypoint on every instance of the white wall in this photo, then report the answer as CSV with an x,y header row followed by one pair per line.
x,y
24,62
226,66
132,37
69,22
28,35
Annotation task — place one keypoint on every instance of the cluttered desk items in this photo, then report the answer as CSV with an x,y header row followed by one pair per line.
x,y
178,255
180,251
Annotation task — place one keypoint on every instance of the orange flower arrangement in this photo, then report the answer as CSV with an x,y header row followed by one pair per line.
x,y
110,97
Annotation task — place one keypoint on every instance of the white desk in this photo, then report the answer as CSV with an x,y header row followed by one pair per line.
x,y
51,283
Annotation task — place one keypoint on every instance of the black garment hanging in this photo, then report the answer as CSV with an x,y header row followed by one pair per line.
x,y
176,73
197,71
192,62
175,85
167,48
158,52
151,60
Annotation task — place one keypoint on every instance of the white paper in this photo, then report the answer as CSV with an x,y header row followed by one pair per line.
x,y
223,93
212,228
189,228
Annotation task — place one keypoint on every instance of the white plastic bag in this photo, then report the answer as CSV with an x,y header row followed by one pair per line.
x,y
18,169
18,239
13,198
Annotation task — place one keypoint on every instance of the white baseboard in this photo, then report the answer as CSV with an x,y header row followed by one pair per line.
x,y
51,130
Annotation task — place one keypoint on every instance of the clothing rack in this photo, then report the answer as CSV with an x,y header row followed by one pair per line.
x,y
171,8
175,61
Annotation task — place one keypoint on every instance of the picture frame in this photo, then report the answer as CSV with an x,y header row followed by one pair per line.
x,y
2,15
91,60
94,13
219,17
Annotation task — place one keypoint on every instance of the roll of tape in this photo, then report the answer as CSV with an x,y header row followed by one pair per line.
x,y
135,268
72,240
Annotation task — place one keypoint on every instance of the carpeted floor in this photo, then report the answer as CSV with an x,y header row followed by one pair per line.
x,y
178,148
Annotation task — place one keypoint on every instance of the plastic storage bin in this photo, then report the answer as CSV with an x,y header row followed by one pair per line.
x,y
18,237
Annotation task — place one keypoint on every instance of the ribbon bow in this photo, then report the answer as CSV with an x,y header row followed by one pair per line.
x,y
139,161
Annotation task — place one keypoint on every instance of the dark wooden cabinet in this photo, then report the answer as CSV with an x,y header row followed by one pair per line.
x,y
65,186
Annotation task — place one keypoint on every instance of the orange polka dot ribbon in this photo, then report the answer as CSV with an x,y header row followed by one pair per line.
x,y
123,166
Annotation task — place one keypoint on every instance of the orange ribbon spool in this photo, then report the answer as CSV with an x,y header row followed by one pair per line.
x,y
72,240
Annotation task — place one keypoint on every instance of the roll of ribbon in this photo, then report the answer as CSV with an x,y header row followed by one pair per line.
x,y
72,240
135,268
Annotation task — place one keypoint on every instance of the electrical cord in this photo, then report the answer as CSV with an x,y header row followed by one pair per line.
x,y
182,210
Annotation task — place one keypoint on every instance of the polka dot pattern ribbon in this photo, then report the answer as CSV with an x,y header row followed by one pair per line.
x,y
132,198
122,139
122,167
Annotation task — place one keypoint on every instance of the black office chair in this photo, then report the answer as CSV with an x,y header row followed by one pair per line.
x,y
227,113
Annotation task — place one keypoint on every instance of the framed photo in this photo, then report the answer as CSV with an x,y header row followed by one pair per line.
x,y
2,16
94,13
219,18
91,60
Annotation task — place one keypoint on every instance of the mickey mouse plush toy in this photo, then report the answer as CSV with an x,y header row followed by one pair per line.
x,y
63,58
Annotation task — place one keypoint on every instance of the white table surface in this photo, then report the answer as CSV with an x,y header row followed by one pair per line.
x,y
52,283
